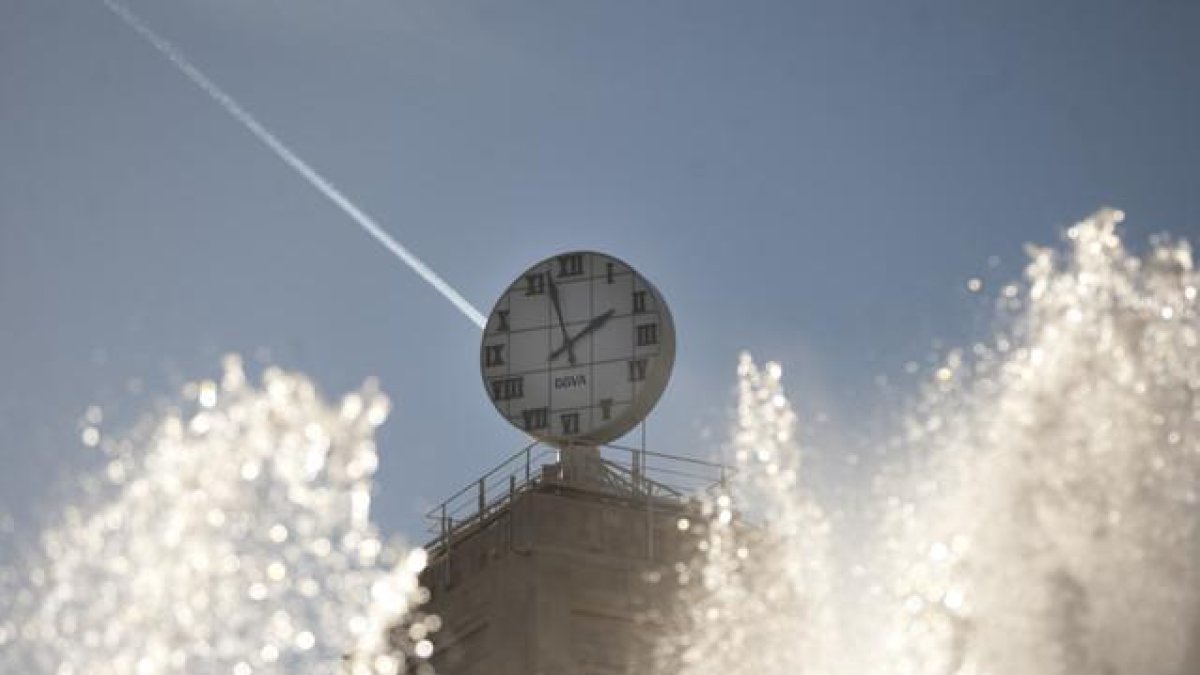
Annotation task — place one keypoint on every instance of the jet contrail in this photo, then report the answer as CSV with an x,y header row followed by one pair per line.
x,y
291,159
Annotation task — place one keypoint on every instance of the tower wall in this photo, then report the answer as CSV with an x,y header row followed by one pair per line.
x,y
560,581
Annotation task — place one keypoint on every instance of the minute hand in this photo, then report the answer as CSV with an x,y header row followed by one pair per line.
x,y
592,325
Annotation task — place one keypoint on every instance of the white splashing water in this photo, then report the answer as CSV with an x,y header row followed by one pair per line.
x,y
754,597
230,537
1041,518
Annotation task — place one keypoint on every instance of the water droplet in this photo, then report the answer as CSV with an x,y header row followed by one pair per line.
x,y
417,559
305,640
423,649
207,396
276,571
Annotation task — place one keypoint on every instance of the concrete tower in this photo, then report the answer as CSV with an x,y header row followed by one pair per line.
x,y
561,567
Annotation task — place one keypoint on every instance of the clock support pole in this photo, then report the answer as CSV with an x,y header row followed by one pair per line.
x,y
581,463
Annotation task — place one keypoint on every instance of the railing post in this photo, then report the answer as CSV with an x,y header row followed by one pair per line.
x,y
512,486
449,552
649,522
444,525
482,498
528,452
645,475
637,472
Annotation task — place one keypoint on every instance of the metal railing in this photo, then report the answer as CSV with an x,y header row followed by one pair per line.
x,y
627,471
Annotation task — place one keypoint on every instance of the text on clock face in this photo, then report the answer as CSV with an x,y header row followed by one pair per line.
x,y
568,381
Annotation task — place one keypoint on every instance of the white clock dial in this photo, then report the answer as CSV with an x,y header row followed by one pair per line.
x,y
578,349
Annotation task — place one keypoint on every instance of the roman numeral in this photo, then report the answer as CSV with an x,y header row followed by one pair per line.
x,y
493,355
609,272
534,418
502,321
647,334
570,422
505,388
639,302
570,265
606,408
637,370
535,284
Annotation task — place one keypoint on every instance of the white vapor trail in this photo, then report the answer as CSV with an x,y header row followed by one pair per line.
x,y
291,159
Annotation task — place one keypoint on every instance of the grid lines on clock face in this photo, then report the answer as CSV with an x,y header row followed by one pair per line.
x,y
611,319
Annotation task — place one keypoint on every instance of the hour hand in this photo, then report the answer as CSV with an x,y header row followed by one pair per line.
x,y
594,324
553,288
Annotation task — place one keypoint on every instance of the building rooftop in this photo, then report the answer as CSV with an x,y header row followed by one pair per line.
x,y
607,471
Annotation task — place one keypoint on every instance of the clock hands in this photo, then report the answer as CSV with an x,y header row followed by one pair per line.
x,y
594,324
567,341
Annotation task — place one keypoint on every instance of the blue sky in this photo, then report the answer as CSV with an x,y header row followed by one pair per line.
x,y
813,181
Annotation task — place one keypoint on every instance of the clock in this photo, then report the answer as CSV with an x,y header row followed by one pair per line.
x,y
578,350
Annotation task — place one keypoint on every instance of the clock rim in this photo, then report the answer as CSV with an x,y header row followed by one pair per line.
x,y
657,378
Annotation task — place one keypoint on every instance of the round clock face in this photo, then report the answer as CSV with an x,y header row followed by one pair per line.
x,y
578,349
